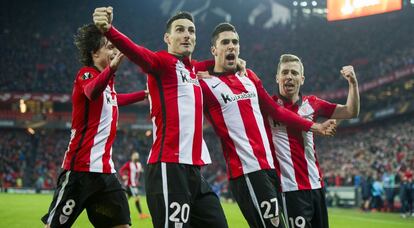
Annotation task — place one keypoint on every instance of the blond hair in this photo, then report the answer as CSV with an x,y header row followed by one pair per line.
x,y
287,58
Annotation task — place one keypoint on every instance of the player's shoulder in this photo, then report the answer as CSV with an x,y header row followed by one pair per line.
x,y
310,98
252,75
86,73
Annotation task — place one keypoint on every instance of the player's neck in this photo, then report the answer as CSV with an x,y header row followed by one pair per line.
x,y
100,67
292,98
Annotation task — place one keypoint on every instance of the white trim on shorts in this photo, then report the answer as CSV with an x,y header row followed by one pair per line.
x,y
165,190
285,209
254,199
59,198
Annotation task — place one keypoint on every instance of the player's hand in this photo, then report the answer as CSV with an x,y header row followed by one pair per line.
x,y
203,75
349,74
102,17
116,61
327,128
241,64
124,177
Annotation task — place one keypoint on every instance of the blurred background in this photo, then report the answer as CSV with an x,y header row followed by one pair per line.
x,y
373,153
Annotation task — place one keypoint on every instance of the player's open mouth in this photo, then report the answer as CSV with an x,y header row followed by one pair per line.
x,y
186,44
230,56
289,85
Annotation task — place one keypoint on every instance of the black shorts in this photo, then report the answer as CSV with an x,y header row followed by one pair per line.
x,y
306,208
257,196
101,194
178,196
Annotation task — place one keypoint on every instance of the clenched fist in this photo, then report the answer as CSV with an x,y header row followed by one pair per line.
x,y
349,74
102,17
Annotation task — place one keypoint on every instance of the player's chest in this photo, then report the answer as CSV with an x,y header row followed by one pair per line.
x,y
232,90
109,96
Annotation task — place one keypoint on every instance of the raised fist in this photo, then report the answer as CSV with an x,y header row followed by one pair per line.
x,y
349,74
102,17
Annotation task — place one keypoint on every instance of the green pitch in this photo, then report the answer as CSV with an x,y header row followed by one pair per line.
x,y
25,211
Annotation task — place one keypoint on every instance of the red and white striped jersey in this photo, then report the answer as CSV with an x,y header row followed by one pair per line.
x,y
176,103
296,161
93,126
132,170
231,104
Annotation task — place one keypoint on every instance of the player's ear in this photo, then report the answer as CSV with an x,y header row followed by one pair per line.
x,y
213,50
166,38
303,80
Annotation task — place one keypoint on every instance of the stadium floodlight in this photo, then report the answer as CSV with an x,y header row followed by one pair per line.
x,y
314,3
304,4
345,9
295,3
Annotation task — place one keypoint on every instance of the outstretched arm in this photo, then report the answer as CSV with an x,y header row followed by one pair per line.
x,y
130,98
351,108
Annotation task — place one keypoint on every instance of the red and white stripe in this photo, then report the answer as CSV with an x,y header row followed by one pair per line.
x,y
295,149
238,122
93,128
176,103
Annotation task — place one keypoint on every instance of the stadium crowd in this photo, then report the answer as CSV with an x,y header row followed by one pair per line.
x,y
42,58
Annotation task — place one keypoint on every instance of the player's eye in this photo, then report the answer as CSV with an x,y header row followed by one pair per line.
x,y
180,29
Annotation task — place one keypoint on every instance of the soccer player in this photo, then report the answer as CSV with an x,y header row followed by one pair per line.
x,y
130,173
303,195
177,194
88,178
233,104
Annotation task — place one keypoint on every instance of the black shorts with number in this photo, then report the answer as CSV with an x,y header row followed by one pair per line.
x,y
178,196
257,196
306,208
101,194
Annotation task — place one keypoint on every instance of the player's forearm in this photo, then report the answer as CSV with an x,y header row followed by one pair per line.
x,y
130,98
137,54
352,102
282,114
95,88
203,65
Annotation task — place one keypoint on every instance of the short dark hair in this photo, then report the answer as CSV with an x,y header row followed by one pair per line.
x,y
177,16
88,39
222,27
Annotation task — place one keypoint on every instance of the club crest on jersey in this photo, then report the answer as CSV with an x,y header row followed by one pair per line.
x,y
236,97
86,75
280,102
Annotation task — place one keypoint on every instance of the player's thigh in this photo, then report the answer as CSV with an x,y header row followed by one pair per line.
x,y
168,195
320,217
108,209
256,196
298,208
68,200
206,210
